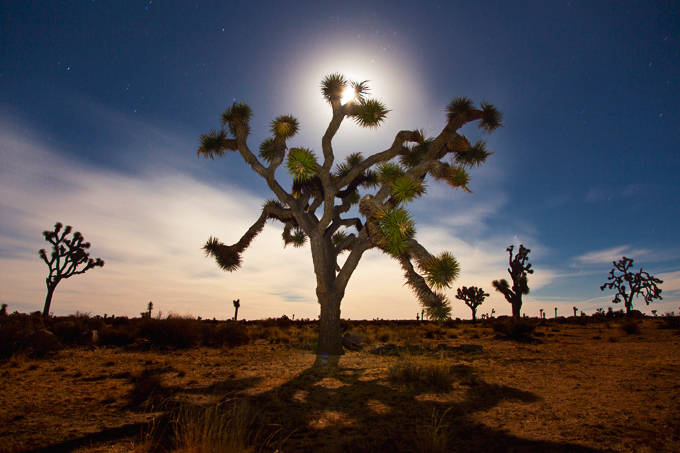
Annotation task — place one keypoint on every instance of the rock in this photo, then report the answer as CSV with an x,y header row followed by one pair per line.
x,y
352,342
43,341
385,350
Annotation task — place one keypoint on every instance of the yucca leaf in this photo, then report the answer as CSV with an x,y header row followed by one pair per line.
x,y
285,126
301,164
458,177
332,86
237,112
215,143
396,227
414,154
338,237
267,150
459,106
360,90
389,172
369,113
440,311
474,155
491,117
228,258
406,189
440,271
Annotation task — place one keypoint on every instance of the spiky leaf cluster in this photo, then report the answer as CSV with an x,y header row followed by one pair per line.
x,y
413,155
474,155
285,126
301,164
441,270
369,113
332,87
215,143
460,106
406,189
237,113
388,172
351,161
491,117
441,311
267,150
396,228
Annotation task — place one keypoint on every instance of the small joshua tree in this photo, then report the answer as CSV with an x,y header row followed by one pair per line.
x,y
639,284
67,255
519,268
473,298
237,303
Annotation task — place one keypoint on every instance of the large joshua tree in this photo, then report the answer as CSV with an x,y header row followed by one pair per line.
x,y
518,270
317,209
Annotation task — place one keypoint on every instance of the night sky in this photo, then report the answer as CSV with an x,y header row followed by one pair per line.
x,y
102,103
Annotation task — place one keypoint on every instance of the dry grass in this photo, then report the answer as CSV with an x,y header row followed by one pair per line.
x,y
569,392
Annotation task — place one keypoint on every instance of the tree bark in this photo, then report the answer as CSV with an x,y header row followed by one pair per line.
x,y
516,308
51,286
330,330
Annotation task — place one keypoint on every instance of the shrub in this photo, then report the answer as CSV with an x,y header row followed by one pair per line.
x,y
229,334
518,329
434,375
630,326
670,321
174,331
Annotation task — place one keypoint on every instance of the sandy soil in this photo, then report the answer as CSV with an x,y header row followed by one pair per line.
x,y
579,389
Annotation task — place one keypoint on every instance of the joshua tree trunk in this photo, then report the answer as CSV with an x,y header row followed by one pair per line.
x,y
51,286
330,332
516,308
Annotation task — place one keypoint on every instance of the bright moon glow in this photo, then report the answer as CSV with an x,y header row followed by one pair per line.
x,y
348,95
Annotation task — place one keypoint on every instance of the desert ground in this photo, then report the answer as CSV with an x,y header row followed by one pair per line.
x,y
571,386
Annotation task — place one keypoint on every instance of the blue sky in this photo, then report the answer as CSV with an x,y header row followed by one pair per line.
x,y
102,103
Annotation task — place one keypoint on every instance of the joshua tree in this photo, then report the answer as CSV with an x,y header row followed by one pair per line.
x,y
473,298
237,303
3,310
639,284
540,313
556,312
318,208
575,310
519,268
67,255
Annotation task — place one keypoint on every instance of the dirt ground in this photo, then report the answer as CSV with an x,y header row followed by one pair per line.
x,y
590,388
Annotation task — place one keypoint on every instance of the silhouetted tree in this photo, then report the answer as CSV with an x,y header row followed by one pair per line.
x,y
473,298
3,310
519,268
67,255
318,208
639,284
237,304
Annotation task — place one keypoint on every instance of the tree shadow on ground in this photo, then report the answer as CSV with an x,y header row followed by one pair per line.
x,y
347,410
351,409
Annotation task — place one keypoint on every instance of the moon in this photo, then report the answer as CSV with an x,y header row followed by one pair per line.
x,y
348,94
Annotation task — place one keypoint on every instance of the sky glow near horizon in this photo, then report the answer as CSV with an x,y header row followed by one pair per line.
x,y
108,143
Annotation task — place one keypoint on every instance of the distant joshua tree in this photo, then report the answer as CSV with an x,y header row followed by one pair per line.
x,y
473,298
67,255
519,268
147,313
639,284
3,310
237,303
575,310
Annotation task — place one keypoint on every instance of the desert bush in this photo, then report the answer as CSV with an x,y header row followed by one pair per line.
x,y
229,334
670,321
432,437
222,427
433,331
145,384
430,374
631,326
16,334
117,335
174,331
518,329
